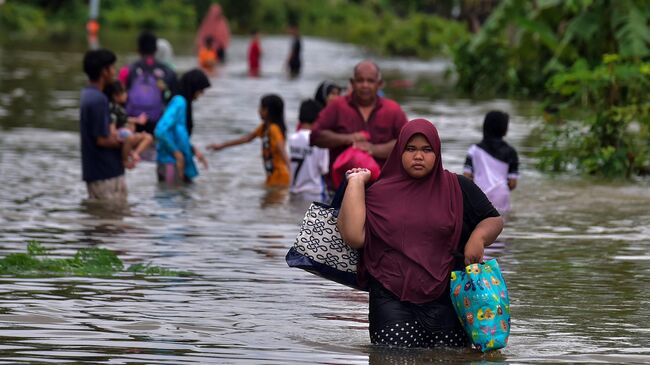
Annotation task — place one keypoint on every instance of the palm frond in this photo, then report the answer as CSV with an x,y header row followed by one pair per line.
x,y
630,27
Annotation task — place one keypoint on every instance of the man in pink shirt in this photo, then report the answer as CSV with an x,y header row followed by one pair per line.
x,y
339,125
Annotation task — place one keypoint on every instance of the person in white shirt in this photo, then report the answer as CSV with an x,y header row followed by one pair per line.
x,y
308,163
493,164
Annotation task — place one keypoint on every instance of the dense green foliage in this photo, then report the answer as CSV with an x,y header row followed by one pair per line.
x,y
34,17
586,56
390,27
86,262
612,139
375,24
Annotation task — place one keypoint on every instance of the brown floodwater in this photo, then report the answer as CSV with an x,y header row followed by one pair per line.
x,y
575,252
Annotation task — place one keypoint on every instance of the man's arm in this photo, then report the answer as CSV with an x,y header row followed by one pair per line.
x,y
109,141
101,128
331,139
383,150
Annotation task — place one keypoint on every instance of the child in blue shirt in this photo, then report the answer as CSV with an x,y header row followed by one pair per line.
x,y
175,153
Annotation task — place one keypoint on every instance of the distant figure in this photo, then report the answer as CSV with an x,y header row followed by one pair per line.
x,y
150,83
551,115
101,157
133,143
308,164
341,123
493,164
214,24
327,91
175,153
272,131
254,55
208,55
294,61
165,53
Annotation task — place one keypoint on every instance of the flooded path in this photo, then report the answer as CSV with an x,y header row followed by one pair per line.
x,y
576,254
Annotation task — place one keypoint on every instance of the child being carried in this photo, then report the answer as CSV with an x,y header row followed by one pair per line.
x,y
123,126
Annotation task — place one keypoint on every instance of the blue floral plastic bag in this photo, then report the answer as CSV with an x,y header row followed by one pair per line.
x,y
480,297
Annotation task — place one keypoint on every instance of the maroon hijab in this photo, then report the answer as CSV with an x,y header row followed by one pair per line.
x,y
412,225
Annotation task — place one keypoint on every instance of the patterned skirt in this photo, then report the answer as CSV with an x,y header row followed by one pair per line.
x,y
403,324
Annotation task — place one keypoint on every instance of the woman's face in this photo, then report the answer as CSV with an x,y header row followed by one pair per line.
x,y
418,157
264,112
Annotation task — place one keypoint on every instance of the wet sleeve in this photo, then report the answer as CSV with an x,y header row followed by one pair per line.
x,y
168,123
476,205
513,165
326,121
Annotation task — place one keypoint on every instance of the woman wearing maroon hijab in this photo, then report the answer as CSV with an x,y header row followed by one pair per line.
x,y
412,224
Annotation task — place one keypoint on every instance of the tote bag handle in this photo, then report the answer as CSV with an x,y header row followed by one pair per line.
x,y
337,200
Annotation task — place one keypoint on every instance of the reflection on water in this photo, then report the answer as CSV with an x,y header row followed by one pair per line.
x,y
575,253
274,196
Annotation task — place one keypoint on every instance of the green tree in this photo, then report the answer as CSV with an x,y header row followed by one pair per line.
x,y
584,55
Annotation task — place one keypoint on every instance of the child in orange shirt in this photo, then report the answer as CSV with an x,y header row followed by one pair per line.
x,y
272,131
208,54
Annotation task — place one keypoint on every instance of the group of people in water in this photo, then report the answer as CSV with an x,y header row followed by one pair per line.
x,y
413,220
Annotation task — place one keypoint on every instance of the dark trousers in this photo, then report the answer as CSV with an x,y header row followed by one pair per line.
x,y
403,324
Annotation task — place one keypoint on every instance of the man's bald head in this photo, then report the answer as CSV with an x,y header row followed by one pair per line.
x,y
366,82
369,66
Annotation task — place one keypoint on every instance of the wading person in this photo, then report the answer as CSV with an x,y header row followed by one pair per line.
x,y
175,153
150,83
492,163
326,92
254,55
101,151
410,223
308,163
272,131
339,124
294,61
133,143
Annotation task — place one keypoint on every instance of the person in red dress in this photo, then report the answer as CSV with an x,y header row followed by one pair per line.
x,y
254,55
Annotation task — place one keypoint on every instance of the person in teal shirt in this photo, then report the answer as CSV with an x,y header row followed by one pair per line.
x,y
175,153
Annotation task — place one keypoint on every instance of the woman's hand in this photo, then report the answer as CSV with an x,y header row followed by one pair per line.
x,y
485,233
360,173
474,252
215,146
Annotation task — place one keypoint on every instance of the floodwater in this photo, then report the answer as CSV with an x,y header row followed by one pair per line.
x,y
575,253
